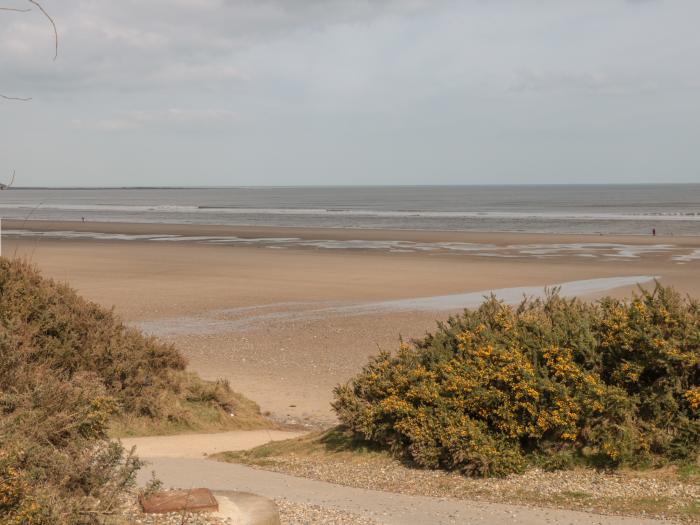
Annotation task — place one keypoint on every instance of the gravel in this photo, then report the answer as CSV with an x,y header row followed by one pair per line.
x,y
302,514
132,514
175,518
658,494
291,513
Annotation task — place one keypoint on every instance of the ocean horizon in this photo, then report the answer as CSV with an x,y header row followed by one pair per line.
x,y
672,209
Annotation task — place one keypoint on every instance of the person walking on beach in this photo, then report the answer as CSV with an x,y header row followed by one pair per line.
x,y
653,232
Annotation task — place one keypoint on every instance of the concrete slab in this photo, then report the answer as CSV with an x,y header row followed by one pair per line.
x,y
245,508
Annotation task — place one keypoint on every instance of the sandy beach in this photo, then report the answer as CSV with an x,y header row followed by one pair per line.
x,y
349,263
285,321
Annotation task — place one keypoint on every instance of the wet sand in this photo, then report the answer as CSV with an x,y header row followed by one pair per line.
x,y
271,321
499,238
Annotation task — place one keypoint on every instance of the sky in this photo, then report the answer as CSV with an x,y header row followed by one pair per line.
x,y
326,92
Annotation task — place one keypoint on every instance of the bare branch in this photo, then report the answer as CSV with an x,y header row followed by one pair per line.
x,y
55,36
15,98
9,185
53,24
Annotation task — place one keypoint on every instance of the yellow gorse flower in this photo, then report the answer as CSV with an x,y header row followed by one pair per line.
x,y
692,396
552,374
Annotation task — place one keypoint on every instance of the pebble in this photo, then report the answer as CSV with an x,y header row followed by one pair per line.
x,y
292,513
580,489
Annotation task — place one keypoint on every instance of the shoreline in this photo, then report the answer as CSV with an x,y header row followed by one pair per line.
x,y
246,231
497,245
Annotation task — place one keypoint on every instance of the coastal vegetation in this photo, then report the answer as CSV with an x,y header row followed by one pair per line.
x,y
550,383
552,402
72,376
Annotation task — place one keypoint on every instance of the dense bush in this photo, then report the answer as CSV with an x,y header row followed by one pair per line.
x,y
47,324
69,372
56,463
549,382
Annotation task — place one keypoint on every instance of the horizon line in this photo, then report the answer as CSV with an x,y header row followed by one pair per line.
x,y
287,186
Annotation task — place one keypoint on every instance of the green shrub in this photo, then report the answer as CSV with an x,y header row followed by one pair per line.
x,y
549,382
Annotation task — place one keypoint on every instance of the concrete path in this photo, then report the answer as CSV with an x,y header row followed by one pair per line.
x,y
201,445
385,507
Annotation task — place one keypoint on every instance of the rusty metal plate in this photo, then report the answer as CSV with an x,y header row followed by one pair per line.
x,y
193,500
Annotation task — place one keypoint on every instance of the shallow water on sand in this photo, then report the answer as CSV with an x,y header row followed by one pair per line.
x,y
600,250
237,319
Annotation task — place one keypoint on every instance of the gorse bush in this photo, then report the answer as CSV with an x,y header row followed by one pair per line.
x,y
56,464
46,324
70,372
551,382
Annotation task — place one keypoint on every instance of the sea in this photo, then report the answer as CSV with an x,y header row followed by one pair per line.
x,y
670,209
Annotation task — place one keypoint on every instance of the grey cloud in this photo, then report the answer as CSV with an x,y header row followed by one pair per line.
x,y
173,117
127,42
300,91
579,82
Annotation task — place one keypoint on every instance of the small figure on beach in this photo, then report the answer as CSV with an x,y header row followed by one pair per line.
x,y
83,219
653,232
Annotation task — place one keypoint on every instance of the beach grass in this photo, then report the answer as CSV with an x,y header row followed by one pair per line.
x,y
336,442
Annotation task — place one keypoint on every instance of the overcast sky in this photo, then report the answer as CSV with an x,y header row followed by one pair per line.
x,y
287,92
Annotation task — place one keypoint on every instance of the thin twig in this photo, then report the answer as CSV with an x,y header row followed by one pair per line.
x,y
21,99
53,24
55,37
36,237
187,505
8,185
111,499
